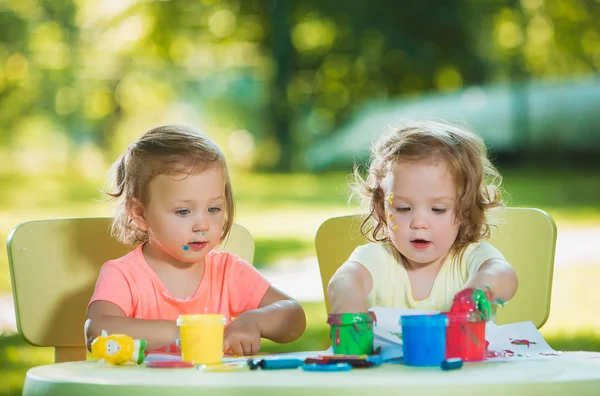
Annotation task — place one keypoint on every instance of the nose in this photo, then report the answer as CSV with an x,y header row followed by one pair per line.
x,y
418,221
200,224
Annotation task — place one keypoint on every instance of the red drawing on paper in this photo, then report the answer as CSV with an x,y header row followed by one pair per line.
x,y
522,342
495,354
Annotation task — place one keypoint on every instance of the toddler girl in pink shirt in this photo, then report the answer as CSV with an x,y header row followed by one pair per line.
x,y
175,203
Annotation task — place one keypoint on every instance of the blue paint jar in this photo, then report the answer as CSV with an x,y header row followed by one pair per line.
x,y
424,339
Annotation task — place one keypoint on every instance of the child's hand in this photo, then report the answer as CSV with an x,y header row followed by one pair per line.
x,y
243,335
473,300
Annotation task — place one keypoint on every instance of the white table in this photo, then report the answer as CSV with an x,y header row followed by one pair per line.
x,y
568,374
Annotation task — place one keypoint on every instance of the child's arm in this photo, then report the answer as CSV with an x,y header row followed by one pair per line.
x,y
349,287
279,318
499,276
104,315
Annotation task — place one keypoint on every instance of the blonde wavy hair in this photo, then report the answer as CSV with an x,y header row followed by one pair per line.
x,y
164,150
466,156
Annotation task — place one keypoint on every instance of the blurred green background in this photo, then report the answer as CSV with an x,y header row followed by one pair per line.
x,y
294,92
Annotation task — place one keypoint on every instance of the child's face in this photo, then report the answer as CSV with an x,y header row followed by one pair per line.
x,y
185,215
421,216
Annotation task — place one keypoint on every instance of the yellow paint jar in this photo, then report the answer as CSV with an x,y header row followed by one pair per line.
x,y
201,338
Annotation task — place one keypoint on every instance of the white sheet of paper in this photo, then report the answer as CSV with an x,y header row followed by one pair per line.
x,y
522,339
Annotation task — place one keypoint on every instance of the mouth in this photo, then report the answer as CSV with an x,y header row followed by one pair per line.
x,y
197,245
420,243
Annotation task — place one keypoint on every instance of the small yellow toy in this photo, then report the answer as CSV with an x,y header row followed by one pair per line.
x,y
118,349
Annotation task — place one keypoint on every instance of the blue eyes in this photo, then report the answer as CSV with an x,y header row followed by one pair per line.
x,y
185,212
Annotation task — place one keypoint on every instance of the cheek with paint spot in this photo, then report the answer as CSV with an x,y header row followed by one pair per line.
x,y
390,215
391,225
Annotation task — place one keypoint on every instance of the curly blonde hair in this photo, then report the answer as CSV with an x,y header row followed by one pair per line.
x,y
164,150
465,154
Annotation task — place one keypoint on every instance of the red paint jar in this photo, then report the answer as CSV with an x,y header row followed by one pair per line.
x,y
465,336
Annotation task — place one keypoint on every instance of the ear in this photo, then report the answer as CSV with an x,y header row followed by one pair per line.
x,y
137,212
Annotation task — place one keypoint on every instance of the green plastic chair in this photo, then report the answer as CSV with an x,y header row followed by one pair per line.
x,y
54,265
526,237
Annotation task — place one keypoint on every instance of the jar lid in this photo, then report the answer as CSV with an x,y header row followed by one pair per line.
x,y
424,320
202,319
351,318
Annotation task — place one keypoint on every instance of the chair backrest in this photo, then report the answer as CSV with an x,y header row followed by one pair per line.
x,y
54,265
526,237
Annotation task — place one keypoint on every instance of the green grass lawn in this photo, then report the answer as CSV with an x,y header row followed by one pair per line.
x,y
283,213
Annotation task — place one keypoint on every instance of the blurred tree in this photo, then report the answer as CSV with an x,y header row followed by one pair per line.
x,y
281,74
351,52
282,53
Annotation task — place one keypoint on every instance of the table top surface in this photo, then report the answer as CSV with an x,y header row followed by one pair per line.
x,y
566,373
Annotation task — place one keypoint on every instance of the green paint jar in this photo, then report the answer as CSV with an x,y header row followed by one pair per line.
x,y
352,333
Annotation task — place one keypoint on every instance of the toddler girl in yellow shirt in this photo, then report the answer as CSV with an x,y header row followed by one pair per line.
x,y
429,188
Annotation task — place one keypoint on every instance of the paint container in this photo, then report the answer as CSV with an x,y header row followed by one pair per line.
x,y
424,339
465,338
201,338
352,333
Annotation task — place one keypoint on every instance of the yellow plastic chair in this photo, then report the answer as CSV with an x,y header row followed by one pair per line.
x,y
526,237
54,265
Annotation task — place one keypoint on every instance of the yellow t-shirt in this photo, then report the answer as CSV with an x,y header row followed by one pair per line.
x,y
391,285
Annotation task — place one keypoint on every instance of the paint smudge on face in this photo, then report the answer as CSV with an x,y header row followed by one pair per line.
x,y
395,227
186,247
390,198
522,342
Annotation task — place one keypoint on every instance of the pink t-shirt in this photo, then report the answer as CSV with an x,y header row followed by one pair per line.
x,y
229,286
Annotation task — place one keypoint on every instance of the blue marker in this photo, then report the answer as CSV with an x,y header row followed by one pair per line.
x,y
451,364
327,367
276,364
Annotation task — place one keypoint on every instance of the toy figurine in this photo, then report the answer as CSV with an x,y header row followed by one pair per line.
x,y
118,349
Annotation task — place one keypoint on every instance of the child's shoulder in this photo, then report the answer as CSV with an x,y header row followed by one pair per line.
x,y
127,262
374,251
226,265
482,247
